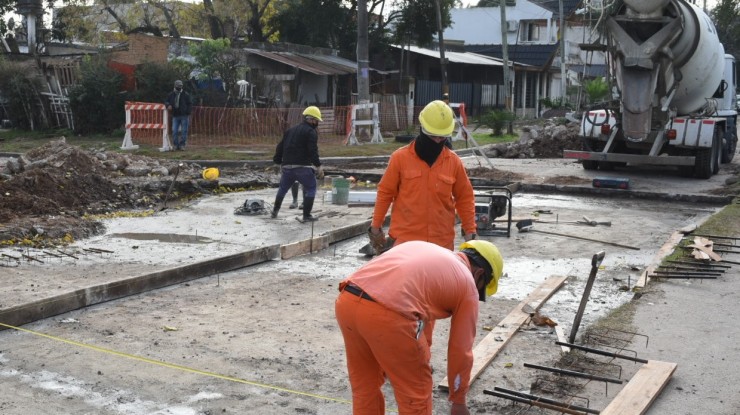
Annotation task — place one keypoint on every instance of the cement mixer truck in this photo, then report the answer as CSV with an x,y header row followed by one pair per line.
x,y
673,93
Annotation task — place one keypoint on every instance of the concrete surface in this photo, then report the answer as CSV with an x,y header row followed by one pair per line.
x,y
263,339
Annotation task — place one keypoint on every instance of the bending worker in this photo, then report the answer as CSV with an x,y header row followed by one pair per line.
x,y
298,156
426,182
384,306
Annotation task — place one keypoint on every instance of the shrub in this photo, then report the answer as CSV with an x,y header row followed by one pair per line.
x,y
20,93
496,120
155,81
97,101
596,89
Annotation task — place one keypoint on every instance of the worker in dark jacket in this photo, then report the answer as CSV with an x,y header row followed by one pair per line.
x,y
298,155
181,105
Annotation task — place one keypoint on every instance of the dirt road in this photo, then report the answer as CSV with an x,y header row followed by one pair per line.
x,y
263,340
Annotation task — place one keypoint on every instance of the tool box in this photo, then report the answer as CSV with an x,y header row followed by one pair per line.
x,y
611,183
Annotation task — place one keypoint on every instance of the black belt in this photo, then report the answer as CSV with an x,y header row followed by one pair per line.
x,y
358,292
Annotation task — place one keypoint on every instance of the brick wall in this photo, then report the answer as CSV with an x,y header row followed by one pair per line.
x,y
143,48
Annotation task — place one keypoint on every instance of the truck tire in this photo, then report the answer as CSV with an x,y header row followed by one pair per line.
x,y
729,145
590,164
707,159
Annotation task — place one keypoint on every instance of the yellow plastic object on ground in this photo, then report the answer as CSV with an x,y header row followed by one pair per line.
x,y
210,173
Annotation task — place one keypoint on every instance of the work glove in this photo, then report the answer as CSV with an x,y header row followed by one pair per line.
x,y
320,173
377,239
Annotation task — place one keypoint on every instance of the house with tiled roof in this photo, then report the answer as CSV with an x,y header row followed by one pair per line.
x,y
532,39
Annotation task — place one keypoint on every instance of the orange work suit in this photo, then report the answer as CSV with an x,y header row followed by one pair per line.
x,y
409,286
425,198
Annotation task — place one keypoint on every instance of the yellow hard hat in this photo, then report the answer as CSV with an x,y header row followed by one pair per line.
x,y
491,254
437,119
210,173
313,112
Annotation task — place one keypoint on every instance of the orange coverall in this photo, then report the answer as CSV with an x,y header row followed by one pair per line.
x,y
412,284
425,198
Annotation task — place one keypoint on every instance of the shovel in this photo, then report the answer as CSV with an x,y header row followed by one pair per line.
x,y
169,189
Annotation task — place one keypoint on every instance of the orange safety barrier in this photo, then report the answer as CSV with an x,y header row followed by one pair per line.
x,y
149,124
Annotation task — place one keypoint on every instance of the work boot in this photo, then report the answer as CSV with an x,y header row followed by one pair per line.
x,y
276,206
307,206
294,193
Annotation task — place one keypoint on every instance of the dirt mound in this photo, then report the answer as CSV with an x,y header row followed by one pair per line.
x,y
49,190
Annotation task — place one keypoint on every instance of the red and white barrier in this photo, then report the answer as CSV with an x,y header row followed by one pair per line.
x,y
461,121
146,116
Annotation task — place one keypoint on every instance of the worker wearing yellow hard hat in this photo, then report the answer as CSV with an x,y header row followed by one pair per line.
x,y
298,156
385,306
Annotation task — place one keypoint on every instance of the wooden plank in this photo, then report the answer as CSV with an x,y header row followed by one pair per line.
x,y
491,345
637,396
306,246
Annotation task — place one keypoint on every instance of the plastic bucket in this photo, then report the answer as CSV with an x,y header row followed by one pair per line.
x,y
329,180
339,191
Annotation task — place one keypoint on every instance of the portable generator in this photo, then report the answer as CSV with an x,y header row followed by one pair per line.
x,y
492,203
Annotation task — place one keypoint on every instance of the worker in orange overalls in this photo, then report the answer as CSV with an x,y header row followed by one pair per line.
x,y
426,182
383,307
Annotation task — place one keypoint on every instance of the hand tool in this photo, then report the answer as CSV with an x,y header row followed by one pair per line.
x,y
595,263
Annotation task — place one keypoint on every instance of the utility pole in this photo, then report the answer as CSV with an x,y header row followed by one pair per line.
x,y
442,60
563,84
505,56
363,62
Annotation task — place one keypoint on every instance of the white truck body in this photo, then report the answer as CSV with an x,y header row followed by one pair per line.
x,y
675,93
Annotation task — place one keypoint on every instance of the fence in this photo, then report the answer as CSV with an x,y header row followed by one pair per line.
x,y
211,126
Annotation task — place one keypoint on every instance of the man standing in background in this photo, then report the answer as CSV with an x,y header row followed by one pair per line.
x,y
180,104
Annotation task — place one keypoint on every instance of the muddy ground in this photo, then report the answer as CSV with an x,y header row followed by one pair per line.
x,y
263,339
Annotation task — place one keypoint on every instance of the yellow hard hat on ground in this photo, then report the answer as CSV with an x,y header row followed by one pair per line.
x,y
210,173
313,111
437,119
491,254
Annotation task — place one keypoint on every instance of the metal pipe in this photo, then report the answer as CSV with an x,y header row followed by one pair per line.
x,y
659,272
532,402
703,264
574,374
700,269
701,277
595,263
601,352
689,269
545,400
716,236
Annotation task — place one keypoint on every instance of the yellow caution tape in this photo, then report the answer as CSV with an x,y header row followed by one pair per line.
x,y
180,367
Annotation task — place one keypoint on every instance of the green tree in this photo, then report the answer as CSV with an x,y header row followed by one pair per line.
x,y
415,22
216,59
726,17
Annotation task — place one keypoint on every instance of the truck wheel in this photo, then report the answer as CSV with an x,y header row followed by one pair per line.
x,y
590,165
707,160
729,145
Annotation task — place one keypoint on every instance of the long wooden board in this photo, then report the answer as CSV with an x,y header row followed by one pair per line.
x,y
491,345
637,396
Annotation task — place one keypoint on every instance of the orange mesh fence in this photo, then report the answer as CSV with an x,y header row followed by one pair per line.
x,y
212,126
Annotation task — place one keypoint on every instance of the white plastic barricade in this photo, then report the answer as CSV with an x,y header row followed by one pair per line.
x,y
146,116
374,122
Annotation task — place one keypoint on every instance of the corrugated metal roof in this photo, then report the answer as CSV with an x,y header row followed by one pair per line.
x,y
315,64
535,55
457,57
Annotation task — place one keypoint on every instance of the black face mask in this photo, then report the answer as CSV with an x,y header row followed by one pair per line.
x,y
428,149
178,89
